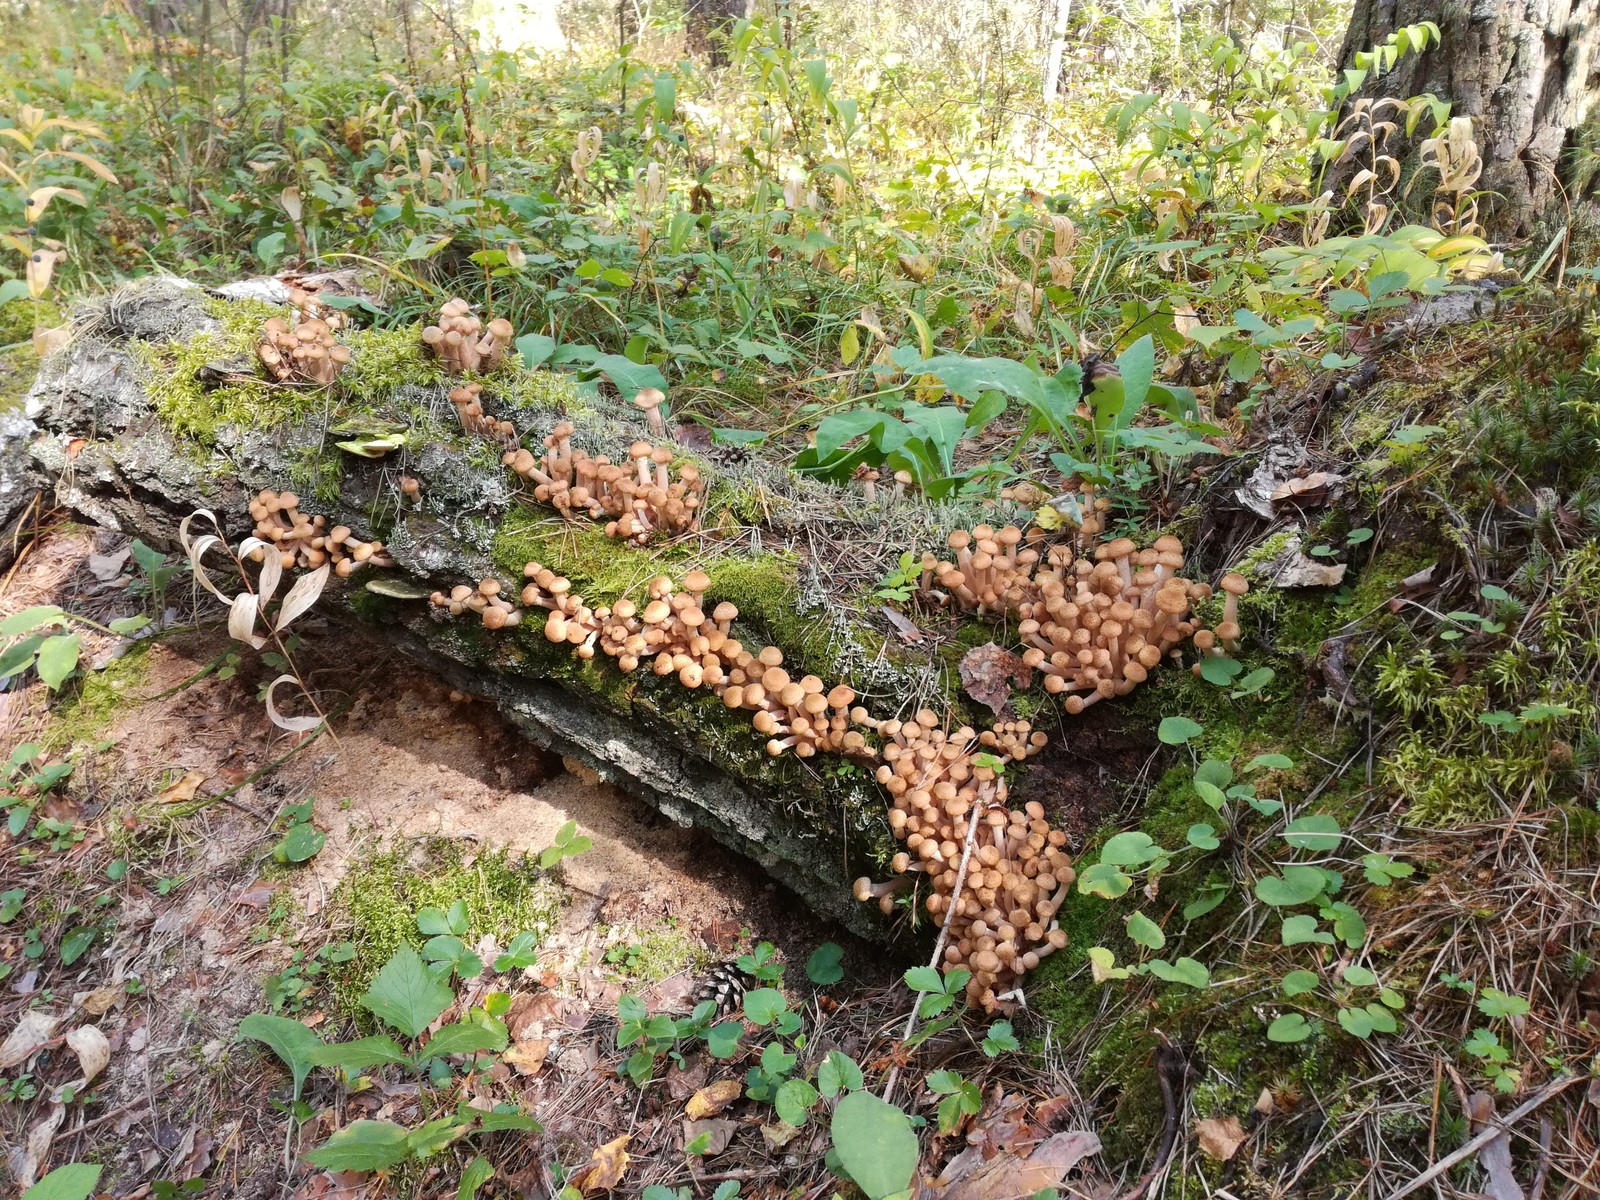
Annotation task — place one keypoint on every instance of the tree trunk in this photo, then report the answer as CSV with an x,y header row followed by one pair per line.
x,y
1524,70
708,24
1058,49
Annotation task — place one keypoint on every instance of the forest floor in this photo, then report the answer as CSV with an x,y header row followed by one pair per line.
x,y
180,788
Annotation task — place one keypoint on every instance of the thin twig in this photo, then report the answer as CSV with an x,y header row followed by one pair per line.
x,y
1496,1127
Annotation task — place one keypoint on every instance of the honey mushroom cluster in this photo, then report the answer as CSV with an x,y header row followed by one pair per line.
x,y
461,341
1003,922
468,402
304,352
307,542
1095,624
636,500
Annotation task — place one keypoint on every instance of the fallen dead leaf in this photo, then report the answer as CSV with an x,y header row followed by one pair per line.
x,y
606,1167
711,1100
106,567
1008,1176
26,1161
1220,1137
779,1134
33,1030
987,673
183,791
92,1049
528,1056
721,1133
1319,487
98,1002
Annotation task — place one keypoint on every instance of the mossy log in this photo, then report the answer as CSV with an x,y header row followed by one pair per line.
x,y
155,410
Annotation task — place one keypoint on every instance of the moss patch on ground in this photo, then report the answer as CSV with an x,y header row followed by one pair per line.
x,y
84,712
379,904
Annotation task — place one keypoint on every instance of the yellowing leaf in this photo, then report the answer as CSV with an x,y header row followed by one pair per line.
x,y
712,1099
1220,1138
183,791
606,1167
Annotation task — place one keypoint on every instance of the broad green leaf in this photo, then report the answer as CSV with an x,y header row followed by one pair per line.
x,y
463,1037
535,349
1492,1002
1207,899
723,1040
30,619
1302,928
762,1005
479,1171
1103,965
1270,762
406,995
1358,976
58,657
630,377
1130,849
838,1073
970,378
1178,731
1215,772
1211,794
1220,670
1298,983
924,979
74,944
1318,831
1289,1027
1203,837
1136,365
1186,970
1356,1022
795,1100
1146,932
301,843
826,965
291,1041
1296,886
360,1054
876,1144
1105,880
363,1146
75,1181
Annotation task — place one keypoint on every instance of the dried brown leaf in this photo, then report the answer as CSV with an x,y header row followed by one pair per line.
x,y
528,1056
709,1101
92,1049
32,1030
721,1132
1220,1137
184,790
1008,1176
987,673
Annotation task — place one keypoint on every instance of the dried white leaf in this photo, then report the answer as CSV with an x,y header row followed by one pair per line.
x,y
292,724
33,1029
92,1049
271,567
28,1160
303,595
242,620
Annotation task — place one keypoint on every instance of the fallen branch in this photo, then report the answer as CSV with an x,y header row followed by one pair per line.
x,y
1494,1129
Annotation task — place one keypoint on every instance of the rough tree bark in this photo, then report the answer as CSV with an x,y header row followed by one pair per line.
x,y
1525,70
707,25
1057,51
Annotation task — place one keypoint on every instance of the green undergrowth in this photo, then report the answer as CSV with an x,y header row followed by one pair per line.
x,y
81,715
378,904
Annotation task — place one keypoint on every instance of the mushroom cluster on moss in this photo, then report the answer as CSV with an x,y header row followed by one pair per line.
x,y
461,341
306,542
468,402
304,352
1095,624
637,500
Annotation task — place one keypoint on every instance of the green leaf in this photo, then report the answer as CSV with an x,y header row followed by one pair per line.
x,y
1382,870
666,96
763,1005
970,378
301,843
74,944
1130,849
1289,1027
924,979
1296,886
1146,932
75,1181
1215,772
1219,669
405,995
1358,976
58,657
363,1146
1492,1002
1349,926
876,1145
795,1100
1302,928
1136,365
838,1073
1356,1022
825,965
1186,970
289,1040
1254,682
1490,592
1298,983
463,1037
13,289
1178,731
1000,1039
1104,880
629,376
1270,762
1214,796
1207,899
30,619
723,1040
479,1171
1203,837
360,1054
1315,832
535,349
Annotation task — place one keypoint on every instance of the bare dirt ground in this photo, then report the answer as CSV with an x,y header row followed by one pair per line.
x,y
169,819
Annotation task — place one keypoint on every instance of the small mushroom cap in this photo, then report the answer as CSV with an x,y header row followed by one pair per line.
x,y
696,581
649,397
1235,584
